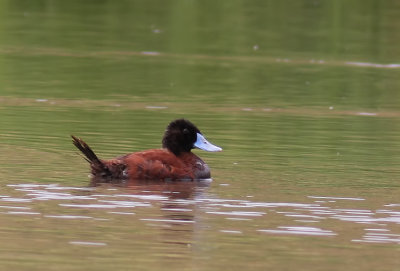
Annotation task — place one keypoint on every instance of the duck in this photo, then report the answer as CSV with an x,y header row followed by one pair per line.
x,y
173,162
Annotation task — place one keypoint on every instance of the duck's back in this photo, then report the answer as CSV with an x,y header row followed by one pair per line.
x,y
161,164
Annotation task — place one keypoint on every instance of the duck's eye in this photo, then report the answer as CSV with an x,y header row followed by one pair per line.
x,y
185,131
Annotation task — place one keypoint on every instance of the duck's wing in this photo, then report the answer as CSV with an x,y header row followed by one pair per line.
x,y
156,165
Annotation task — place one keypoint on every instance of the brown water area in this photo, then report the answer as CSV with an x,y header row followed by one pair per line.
x,y
303,97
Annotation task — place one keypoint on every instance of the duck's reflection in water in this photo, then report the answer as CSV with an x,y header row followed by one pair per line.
x,y
177,213
184,190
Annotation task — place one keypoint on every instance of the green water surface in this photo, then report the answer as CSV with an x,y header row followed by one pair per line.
x,y
303,96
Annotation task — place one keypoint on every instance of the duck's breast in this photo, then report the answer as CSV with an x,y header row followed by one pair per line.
x,y
197,166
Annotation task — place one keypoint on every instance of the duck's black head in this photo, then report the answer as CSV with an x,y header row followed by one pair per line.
x,y
181,136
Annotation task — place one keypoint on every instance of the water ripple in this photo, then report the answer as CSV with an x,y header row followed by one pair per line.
x,y
300,231
184,211
85,243
69,216
237,213
22,213
334,198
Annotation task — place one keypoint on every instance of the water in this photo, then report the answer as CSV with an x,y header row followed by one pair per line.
x,y
303,98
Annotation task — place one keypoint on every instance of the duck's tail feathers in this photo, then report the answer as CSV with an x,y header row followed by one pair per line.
x,y
90,156
112,171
